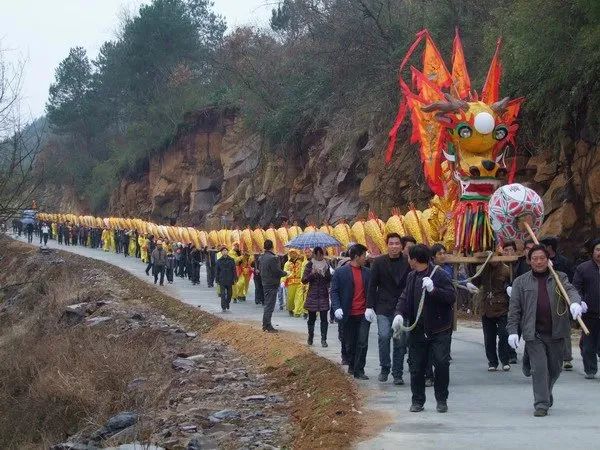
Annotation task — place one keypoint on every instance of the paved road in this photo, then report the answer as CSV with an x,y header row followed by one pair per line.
x,y
487,410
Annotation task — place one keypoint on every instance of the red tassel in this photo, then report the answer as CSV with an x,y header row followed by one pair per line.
x,y
393,134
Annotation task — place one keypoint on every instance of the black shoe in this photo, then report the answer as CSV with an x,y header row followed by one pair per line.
x,y
568,365
415,407
428,382
309,341
291,313
344,362
270,330
324,343
513,360
540,412
361,376
398,381
383,376
442,407
551,401
351,370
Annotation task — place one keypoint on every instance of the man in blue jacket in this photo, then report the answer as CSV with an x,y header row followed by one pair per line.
x,y
433,329
349,286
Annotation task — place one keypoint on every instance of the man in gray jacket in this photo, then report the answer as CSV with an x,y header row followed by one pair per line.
x,y
542,314
158,258
271,273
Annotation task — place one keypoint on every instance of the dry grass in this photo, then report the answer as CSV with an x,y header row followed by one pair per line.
x,y
82,379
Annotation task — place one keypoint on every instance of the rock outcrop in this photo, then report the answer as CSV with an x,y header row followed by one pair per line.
x,y
218,173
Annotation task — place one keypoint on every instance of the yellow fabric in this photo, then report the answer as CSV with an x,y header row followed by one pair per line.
x,y
294,270
143,243
131,246
105,242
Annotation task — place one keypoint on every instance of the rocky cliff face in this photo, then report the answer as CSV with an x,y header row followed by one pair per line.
x,y
217,172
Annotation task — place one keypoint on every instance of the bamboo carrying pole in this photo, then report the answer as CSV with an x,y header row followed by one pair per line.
x,y
525,222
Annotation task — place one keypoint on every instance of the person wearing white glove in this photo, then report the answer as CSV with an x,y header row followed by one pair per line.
x,y
513,340
509,291
535,308
431,334
585,281
397,323
576,310
472,288
348,294
428,284
370,315
388,279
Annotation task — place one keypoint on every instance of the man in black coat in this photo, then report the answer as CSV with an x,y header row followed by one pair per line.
x,y
432,332
270,273
226,276
587,282
388,278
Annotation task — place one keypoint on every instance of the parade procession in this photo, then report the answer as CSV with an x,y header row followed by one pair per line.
x,y
475,247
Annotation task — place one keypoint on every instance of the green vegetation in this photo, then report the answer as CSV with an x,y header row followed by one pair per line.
x,y
321,62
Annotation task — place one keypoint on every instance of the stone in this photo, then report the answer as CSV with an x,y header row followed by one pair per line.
x,y
560,222
225,414
367,186
188,428
73,446
121,421
196,357
191,334
72,317
255,398
138,317
183,364
93,321
200,442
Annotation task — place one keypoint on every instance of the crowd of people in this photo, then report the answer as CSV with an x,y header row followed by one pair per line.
x,y
410,292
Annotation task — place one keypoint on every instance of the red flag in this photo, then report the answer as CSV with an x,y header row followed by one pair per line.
x,y
461,82
491,88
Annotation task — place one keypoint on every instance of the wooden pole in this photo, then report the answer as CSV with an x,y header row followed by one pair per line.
x,y
561,288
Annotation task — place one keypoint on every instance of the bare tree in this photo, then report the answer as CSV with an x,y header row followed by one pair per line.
x,y
20,143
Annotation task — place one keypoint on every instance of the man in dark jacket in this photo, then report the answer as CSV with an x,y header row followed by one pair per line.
x,y
432,332
151,247
196,258
388,277
259,297
494,314
542,315
587,282
226,276
349,287
158,258
210,261
270,274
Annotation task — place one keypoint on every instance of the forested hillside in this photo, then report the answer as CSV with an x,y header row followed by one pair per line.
x,y
315,89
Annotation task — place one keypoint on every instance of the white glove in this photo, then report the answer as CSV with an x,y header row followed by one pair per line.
x,y
398,321
508,290
370,314
513,340
428,284
339,314
576,310
472,288
282,285
584,307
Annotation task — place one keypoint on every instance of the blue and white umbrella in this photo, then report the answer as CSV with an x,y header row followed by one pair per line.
x,y
313,239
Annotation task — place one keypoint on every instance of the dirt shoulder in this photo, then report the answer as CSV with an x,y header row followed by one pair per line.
x,y
82,341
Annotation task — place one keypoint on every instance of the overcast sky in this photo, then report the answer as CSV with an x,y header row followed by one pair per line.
x,y
41,32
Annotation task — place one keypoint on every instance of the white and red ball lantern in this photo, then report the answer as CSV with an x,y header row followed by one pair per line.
x,y
509,204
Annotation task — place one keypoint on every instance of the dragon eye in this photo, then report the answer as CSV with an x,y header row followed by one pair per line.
x,y
500,133
464,131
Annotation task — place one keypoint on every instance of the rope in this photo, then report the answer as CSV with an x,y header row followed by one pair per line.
x,y
404,328
478,273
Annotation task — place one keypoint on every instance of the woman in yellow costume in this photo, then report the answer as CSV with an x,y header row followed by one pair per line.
x,y
132,243
244,271
105,239
143,243
293,283
54,228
